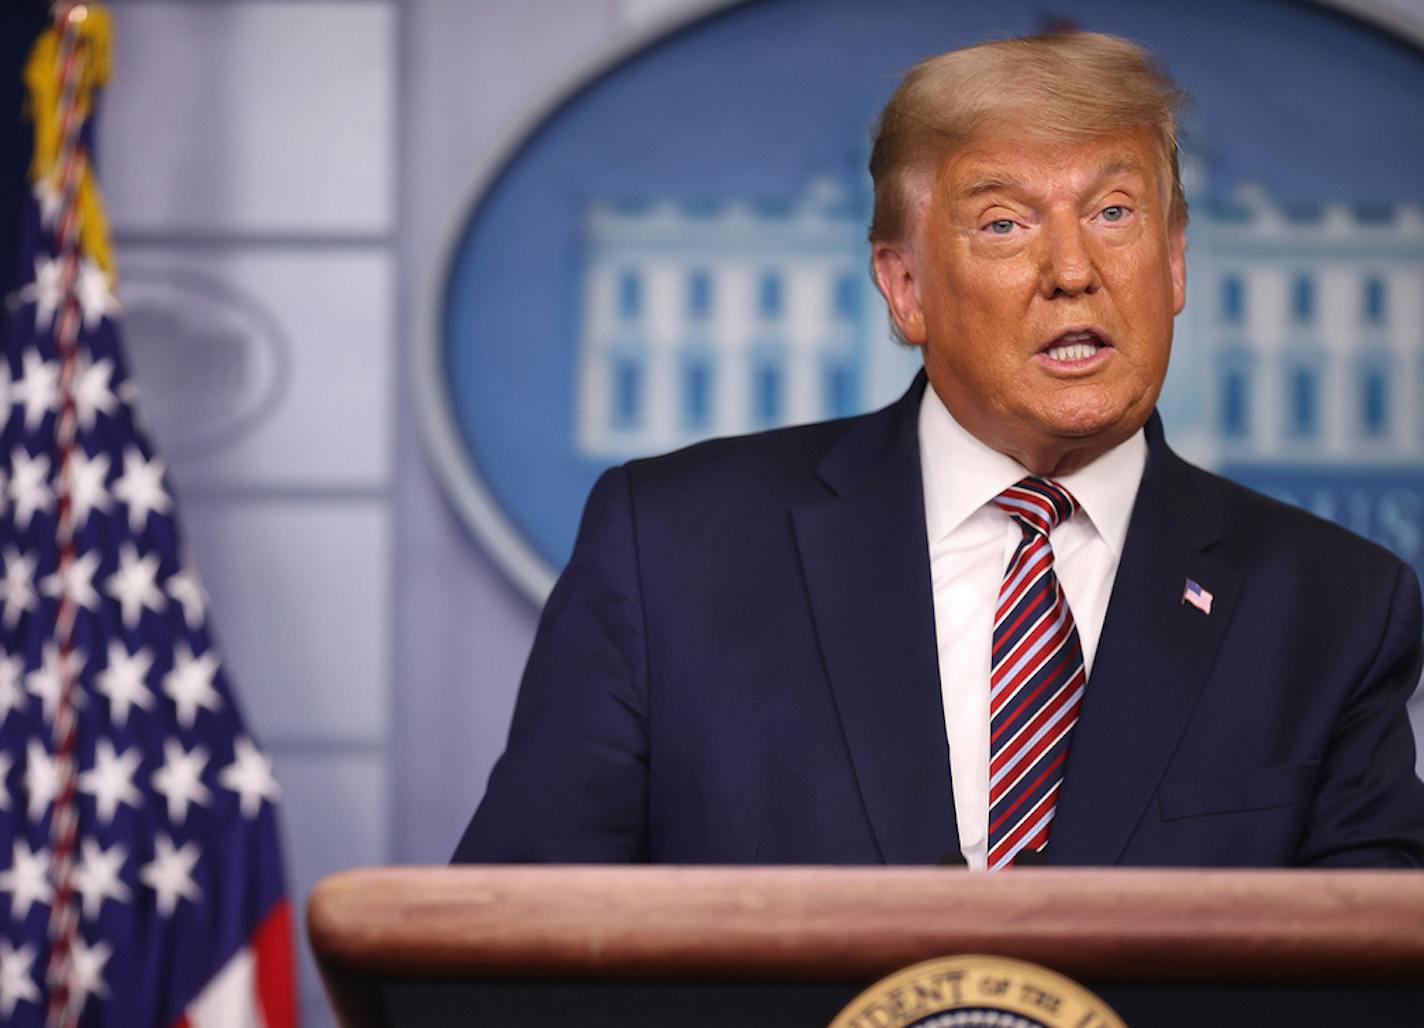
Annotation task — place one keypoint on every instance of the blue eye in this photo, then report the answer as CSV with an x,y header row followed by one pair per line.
x,y
1001,226
1114,213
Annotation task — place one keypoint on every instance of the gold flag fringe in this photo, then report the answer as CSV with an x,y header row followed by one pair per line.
x,y
43,79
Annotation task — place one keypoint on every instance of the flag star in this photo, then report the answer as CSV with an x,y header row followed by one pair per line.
x,y
250,776
6,763
29,485
96,876
46,291
93,393
85,481
27,880
86,971
50,199
134,585
187,590
180,779
170,875
141,488
49,679
110,780
12,696
123,681
190,683
16,980
17,587
37,388
94,289
41,778
75,580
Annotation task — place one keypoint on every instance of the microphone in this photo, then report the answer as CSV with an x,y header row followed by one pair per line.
x,y
953,859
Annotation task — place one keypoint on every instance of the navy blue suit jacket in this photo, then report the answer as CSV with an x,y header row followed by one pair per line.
x,y
739,665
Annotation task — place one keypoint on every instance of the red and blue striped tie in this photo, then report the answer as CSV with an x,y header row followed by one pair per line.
x,y
1036,677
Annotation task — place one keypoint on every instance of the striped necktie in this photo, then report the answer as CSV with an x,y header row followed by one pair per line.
x,y
1036,677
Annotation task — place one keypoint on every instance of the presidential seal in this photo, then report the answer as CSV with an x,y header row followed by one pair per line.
x,y
976,992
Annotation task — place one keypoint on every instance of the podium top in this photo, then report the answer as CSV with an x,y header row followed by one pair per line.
x,y
823,924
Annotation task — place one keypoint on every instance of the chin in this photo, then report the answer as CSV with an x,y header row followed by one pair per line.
x,y
1085,426
1095,416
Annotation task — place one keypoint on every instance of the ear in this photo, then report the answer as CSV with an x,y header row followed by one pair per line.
x,y
896,273
1177,259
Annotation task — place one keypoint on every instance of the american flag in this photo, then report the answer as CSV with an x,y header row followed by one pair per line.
x,y
140,875
1196,596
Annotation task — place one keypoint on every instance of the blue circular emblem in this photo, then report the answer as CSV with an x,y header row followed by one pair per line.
x,y
678,251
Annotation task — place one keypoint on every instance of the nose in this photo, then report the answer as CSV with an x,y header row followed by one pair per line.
x,y
1067,266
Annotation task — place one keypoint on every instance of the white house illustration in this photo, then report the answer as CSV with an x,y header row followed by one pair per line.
x,y
1309,322
714,319
1302,342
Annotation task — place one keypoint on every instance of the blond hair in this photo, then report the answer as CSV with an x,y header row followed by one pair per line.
x,y
1066,87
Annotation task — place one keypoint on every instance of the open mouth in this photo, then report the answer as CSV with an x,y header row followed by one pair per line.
x,y
1075,346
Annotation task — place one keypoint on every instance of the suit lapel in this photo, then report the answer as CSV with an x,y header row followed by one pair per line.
x,y
1153,657
867,573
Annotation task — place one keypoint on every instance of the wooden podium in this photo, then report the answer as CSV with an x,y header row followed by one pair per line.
x,y
791,946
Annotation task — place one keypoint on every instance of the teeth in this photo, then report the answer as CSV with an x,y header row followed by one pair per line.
x,y
1072,351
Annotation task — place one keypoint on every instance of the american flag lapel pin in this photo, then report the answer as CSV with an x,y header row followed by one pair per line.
x,y
1197,597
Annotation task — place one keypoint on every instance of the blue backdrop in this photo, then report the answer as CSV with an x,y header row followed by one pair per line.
x,y
758,101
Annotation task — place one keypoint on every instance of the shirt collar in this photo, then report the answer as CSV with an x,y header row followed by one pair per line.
x,y
961,474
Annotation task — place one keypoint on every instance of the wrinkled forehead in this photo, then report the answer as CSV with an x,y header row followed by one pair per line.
x,y
1018,158
1013,163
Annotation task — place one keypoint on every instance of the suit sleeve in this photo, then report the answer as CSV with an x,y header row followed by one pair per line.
x,y
571,786
1368,810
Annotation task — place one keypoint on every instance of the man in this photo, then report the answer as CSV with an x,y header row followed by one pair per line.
x,y
1000,617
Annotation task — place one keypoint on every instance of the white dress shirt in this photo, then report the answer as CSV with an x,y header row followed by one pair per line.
x,y
970,544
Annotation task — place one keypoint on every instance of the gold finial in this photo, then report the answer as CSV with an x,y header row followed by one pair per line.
x,y
43,79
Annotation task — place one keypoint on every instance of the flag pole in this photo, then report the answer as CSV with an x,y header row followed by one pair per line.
x,y
162,899
70,166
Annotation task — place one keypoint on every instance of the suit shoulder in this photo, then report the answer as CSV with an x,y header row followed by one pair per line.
x,y
1258,522
778,464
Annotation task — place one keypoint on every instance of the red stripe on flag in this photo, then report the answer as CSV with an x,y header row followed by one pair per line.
x,y
276,967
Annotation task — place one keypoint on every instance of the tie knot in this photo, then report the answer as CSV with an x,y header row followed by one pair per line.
x,y
1037,504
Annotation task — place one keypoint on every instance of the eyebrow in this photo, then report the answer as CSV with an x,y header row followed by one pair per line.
x,y
991,184
997,182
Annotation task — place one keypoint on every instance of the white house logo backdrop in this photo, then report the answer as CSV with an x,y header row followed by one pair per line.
x,y
679,252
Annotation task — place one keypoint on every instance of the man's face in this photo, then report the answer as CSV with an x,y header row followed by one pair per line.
x,y
1042,282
